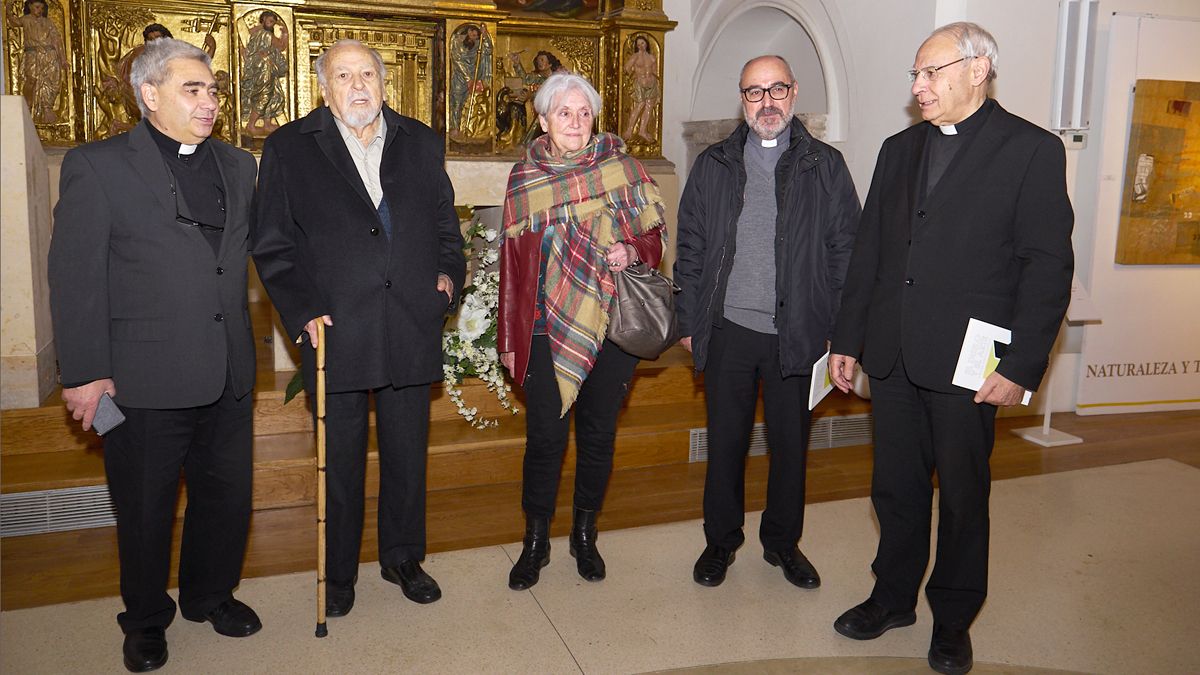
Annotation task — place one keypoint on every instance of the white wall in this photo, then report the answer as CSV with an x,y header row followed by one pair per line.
x,y
876,40
760,30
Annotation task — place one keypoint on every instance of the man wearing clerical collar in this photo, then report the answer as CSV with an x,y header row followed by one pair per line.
x,y
967,218
147,277
766,223
356,229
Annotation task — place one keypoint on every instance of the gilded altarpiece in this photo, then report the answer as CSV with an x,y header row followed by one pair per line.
x,y
38,64
469,69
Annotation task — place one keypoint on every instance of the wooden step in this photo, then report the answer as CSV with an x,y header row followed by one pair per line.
x,y
49,428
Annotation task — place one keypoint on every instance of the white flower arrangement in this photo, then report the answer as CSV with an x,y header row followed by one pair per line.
x,y
469,342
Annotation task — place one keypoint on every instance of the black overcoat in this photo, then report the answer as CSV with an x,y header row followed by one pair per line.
x,y
319,248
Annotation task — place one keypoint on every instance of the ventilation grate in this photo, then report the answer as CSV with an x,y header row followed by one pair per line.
x,y
826,432
78,508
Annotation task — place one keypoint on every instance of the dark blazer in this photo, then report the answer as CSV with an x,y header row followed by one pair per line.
x,y
320,248
139,297
992,241
818,212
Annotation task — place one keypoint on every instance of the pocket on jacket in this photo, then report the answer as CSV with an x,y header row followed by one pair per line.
x,y
139,330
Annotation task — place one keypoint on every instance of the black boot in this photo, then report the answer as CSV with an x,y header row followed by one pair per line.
x,y
583,545
535,554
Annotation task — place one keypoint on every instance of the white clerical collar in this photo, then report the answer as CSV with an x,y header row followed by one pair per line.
x,y
948,130
769,143
185,149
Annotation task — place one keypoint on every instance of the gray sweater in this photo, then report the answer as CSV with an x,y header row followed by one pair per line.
x,y
750,292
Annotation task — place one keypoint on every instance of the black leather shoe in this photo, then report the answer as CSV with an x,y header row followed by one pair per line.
x,y
796,568
145,649
416,584
870,620
950,650
583,546
232,618
710,567
535,554
339,599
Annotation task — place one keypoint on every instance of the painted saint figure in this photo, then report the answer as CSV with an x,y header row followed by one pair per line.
x,y
264,65
641,72
471,64
44,62
545,64
116,87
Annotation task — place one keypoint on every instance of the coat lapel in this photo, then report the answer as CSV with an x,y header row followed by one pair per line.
x,y
233,210
148,164
329,139
916,159
969,163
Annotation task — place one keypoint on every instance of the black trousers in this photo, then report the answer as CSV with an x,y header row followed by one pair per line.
x,y
737,359
402,432
212,445
546,433
918,431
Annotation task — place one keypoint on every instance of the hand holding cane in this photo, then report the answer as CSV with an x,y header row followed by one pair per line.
x,y
322,631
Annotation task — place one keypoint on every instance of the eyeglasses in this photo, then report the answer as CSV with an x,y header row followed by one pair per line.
x,y
931,73
778,91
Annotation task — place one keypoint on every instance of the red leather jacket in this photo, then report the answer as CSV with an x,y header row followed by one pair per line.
x,y
520,261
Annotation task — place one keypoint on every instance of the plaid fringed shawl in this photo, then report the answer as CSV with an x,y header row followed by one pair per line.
x,y
592,198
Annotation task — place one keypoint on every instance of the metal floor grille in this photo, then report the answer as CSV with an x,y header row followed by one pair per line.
x,y
826,432
78,508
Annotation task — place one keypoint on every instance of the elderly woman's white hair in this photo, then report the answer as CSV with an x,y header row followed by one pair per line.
x,y
560,83
153,65
972,41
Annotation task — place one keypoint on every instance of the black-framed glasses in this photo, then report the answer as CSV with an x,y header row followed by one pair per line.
x,y
931,73
778,92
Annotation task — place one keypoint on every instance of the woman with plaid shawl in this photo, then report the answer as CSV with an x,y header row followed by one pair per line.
x,y
578,210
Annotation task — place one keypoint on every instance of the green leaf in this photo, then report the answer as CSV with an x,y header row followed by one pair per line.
x,y
294,387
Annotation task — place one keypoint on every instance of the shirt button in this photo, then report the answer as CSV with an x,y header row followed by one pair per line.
x,y
387,284
220,270
218,317
920,214
908,282
374,231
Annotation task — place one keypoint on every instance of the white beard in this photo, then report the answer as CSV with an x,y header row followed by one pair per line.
x,y
357,118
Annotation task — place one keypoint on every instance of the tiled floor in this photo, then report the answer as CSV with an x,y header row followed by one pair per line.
x,y
1092,570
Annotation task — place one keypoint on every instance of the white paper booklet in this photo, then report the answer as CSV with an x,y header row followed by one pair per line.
x,y
978,357
820,384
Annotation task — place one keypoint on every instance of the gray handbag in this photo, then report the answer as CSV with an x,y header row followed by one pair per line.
x,y
642,321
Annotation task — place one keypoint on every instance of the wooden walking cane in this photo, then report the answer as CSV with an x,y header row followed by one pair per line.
x,y
322,631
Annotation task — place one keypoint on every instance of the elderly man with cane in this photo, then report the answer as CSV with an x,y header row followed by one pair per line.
x,y
356,230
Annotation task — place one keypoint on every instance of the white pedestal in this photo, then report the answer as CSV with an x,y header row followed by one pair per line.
x,y
1046,437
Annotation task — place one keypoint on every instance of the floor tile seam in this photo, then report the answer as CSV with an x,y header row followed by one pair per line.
x,y
542,609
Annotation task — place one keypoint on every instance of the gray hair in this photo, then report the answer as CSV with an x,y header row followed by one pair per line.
x,y
560,83
153,65
786,66
323,59
972,41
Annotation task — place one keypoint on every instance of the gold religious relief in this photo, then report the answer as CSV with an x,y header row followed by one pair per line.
x,y
559,9
405,46
470,92
528,61
642,89
470,69
37,64
117,33
263,40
